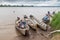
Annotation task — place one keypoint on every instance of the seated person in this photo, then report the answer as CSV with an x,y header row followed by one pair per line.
x,y
22,24
25,16
46,19
26,19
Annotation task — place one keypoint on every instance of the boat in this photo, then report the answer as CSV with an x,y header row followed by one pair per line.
x,y
23,31
41,24
31,23
34,24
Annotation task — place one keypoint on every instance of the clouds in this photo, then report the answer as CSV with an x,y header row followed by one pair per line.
x,y
25,0
58,0
14,1
21,0
10,0
35,2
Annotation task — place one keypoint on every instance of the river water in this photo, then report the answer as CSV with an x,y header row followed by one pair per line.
x,y
8,16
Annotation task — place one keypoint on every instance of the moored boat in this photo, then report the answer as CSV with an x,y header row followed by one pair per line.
x,y
23,31
31,23
42,25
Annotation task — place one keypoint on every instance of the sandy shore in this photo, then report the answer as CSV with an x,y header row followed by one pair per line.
x,y
9,14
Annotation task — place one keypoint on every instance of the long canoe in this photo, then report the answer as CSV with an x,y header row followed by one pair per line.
x,y
32,24
42,25
24,31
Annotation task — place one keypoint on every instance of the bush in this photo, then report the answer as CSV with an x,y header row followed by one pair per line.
x,y
55,23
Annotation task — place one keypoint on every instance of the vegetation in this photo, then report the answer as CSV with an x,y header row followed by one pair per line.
x,y
15,6
55,23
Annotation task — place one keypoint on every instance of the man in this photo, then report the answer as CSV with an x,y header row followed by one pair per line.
x,y
17,21
49,14
53,12
22,24
26,19
46,19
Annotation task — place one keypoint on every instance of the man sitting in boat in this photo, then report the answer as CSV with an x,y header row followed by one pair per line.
x,y
27,20
22,24
46,19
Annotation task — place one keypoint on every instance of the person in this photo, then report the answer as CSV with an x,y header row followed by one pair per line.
x,y
25,16
49,14
27,20
31,16
46,19
53,12
18,18
22,24
17,21
34,23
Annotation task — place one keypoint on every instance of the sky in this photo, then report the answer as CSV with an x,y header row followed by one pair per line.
x,y
31,2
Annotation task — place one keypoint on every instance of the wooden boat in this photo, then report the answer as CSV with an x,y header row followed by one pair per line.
x,y
23,31
42,25
31,23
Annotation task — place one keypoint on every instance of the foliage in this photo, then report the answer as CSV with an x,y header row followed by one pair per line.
x,y
55,23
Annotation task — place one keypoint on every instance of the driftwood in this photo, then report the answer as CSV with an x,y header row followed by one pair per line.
x,y
55,31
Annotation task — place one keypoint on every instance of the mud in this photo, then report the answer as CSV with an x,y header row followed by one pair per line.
x,y
8,32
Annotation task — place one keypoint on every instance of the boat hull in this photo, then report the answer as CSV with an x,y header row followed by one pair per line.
x,y
24,31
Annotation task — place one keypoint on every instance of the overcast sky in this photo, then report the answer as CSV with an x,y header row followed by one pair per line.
x,y
22,0
38,2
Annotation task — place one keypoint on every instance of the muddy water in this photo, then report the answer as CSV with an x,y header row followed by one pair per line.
x,y
9,33
56,37
8,16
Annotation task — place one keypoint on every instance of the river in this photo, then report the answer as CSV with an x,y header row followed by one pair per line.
x,y
8,16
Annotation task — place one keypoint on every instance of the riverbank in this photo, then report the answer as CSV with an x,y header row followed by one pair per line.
x,y
56,37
